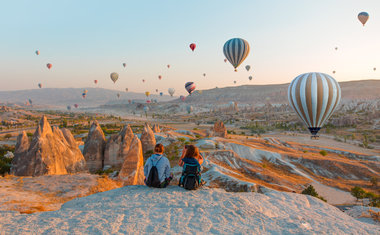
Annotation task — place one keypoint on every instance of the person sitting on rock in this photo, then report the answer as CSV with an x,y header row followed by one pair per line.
x,y
191,161
157,169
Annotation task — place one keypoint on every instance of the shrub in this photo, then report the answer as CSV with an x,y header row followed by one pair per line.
x,y
7,136
358,192
323,152
311,191
181,139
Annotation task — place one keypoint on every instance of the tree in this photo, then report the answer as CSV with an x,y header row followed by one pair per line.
x,y
358,192
312,192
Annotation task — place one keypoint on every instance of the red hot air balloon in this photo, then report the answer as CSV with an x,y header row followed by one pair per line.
x,y
159,77
168,66
143,80
76,105
183,98
96,81
192,46
49,65
148,101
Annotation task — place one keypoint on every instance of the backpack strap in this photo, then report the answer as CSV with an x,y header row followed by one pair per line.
x,y
157,161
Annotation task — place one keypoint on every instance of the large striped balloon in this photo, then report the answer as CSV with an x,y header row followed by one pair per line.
x,y
236,50
190,87
314,97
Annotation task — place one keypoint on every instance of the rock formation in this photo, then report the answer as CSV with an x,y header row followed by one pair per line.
x,y
94,148
156,128
219,129
117,147
147,139
132,171
49,153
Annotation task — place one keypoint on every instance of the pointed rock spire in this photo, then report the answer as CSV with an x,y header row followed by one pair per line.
x,y
148,139
94,148
117,147
132,171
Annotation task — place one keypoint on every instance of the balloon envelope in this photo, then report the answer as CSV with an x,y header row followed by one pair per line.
x,y
76,105
49,66
147,93
314,97
236,50
161,93
159,77
40,85
192,46
124,65
190,87
182,98
247,67
363,17
126,89
37,52
171,91
250,78
114,76
96,81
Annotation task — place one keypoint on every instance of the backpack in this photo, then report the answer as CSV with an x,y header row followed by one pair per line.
x,y
153,180
191,177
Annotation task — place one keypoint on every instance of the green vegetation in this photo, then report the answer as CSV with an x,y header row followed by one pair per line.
x,y
323,153
311,191
359,193
5,163
7,136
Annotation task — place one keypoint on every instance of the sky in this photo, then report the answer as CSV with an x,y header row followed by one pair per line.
x,y
89,39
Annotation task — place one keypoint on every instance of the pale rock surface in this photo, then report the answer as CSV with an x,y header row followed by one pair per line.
x,y
147,138
144,210
132,171
219,129
117,147
49,153
94,148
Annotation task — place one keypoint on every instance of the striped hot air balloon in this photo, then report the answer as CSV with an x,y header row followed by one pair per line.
x,y
236,50
114,76
363,17
190,87
314,97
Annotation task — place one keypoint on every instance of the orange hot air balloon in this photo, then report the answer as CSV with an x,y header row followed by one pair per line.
x,y
192,46
96,81
48,65
225,60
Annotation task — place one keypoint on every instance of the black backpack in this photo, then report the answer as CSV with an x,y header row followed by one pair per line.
x,y
153,180
191,177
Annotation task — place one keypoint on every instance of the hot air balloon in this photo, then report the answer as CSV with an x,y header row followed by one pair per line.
x,y
84,95
148,101
114,76
314,97
161,93
247,67
334,72
68,107
49,66
363,17
85,91
190,87
147,93
236,50
182,98
189,109
118,95
76,106
192,46
156,90
250,78
37,52
159,77
374,69
143,80
40,85
124,65
96,81
336,48
168,66
171,91
204,75
126,89
30,101
225,60
234,82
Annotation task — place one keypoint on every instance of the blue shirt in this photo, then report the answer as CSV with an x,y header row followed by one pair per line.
x,y
163,166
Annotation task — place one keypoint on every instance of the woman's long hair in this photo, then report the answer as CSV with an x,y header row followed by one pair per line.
x,y
191,151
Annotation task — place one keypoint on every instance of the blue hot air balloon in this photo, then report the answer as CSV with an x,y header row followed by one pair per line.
x,y
236,50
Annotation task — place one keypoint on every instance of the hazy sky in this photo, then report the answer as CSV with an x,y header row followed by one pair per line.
x,y
87,40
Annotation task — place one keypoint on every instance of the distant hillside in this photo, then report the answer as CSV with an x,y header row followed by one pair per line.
x,y
68,96
364,89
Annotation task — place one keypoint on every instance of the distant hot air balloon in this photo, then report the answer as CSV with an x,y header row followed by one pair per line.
x,y
96,81
225,60
30,101
126,89
148,101
374,69
40,85
204,75
124,65
189,109
114,76
314,97
363,17
84,95
143,80
147,93
159,77
182,98
190,87
76,106
250,78
161,93
156,90
171,91
236,50
192,46
336,48
334,72
85,91
247,67
118,95
234,82
168,66
68,107
49,66
37,52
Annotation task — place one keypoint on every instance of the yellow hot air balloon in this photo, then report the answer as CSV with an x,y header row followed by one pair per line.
x,y
114,76
147,93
